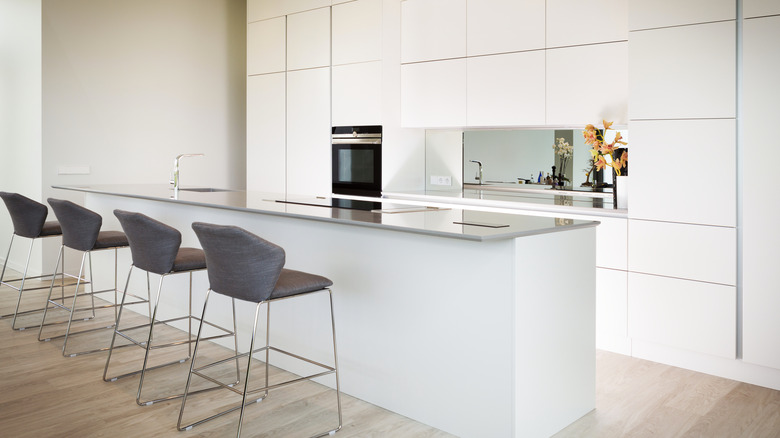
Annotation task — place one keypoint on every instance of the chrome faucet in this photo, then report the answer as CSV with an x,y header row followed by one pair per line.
x,y
175,175
479,171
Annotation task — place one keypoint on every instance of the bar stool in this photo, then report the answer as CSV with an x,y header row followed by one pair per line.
x,y
243,266
156,248
81,232
29,219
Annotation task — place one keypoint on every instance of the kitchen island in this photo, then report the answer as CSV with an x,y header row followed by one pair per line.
x,y
477,323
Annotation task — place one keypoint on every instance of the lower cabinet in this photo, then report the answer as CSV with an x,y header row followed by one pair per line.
x,y
308,132
686,314
266,135
611,311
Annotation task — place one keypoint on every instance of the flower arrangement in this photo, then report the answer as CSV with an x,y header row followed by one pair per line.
x,y
603,152
564,150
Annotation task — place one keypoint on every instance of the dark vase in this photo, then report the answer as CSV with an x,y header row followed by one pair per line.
x,y
623,172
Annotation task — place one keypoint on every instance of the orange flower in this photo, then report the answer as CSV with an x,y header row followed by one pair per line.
x,y
601,163
606,124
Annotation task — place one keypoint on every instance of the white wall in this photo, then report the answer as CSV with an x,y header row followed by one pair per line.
x,y
20,114
127,86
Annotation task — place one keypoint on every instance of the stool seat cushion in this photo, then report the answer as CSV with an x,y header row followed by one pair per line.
x,y
51,228
110,239
293,282
189,259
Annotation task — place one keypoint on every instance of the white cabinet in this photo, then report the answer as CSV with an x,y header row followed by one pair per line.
x,y
433,94
266,46
651,14
308,39
308,132
685,314
760,205
261,9
505,89
612,310
587,84
683,171
432,30
695,252
502,26
357,32
575,22
265,132
760,8
683,72
357,94
612,250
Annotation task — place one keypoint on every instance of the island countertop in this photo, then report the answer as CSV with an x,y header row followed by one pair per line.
x,y
391,215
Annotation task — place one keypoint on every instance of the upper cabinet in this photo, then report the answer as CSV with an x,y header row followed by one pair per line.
x,y
587,84
504,89
501,26
760,8
266,46
262,9
576,22
652,14
433,94
432,30
357,32
683,72
308,39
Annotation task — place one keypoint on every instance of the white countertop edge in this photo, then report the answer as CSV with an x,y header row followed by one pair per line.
x,y
502,206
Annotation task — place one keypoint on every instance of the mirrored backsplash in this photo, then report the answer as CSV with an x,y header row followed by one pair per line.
x,y
509,157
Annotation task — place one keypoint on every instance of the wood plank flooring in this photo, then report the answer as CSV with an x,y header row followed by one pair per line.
x,y
43,394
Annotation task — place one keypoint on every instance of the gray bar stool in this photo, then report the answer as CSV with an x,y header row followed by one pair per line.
x,y
81,232
243,266
156,248
29,220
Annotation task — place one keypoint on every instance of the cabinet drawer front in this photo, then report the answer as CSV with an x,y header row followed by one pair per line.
x,y
694,252
685,314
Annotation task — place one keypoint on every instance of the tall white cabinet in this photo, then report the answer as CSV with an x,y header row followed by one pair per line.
x,y
682,235
761,237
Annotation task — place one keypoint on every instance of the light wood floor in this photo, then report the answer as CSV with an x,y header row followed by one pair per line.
x,y
43,394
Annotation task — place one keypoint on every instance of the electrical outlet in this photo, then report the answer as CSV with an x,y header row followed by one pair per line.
x,y
441,181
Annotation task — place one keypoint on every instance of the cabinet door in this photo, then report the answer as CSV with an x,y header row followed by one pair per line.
x,y
760,8
575,22
760,207
652,14
695,252
433,94
612,248
262,9
686,314
266,46
308,132
506,89
502,26
587,84
265,133
683,171
357,32
357,94
432,30
308,39
611,311
683,72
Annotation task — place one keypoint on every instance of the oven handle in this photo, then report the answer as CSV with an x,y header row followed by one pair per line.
x,y
353,140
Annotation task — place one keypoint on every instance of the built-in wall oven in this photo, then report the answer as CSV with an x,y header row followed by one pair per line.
x,y
357,160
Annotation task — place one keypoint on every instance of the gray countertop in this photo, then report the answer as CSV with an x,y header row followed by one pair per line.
x,y
392,215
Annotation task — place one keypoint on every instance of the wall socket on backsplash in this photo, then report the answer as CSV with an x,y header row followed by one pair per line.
x,y
441,181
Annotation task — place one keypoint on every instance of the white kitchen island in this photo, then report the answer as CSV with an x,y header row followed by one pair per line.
x,y
478,330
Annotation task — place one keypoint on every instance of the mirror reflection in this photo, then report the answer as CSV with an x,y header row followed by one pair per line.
x,y
540,159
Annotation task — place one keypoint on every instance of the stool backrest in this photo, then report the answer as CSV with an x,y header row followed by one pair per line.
x,y
80,226
240,264
28,216
153,244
